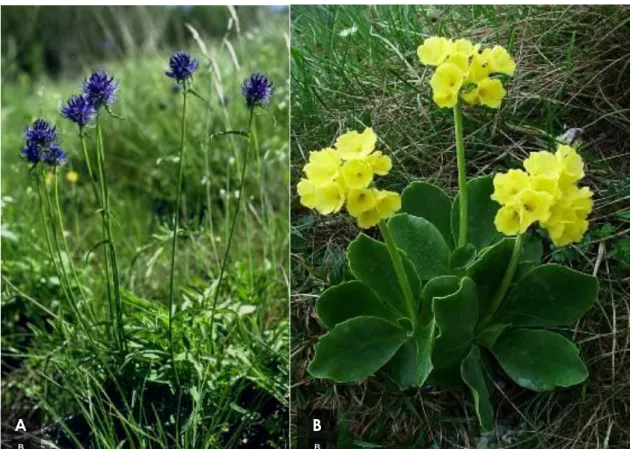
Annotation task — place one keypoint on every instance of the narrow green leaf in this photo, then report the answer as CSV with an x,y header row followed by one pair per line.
x,y
462,258
370,262
481,213
422,243
456,311
349,300
430,202
538,359
412,364
356,348
473,376
549,295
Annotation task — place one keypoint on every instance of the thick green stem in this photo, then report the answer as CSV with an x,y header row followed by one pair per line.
x,y
107,217
497,300
398,265
461,173
181,165
234,221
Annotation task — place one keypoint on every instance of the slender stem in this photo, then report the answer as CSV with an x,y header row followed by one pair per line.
x,y
461,170
497,299
99,201
181,165
65,242
398,265
234,221
107,214
207,173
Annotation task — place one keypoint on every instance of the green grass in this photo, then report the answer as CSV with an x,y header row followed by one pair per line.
x,y
356,66
233,371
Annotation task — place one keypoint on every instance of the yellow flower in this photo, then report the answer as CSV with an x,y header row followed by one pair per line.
x,y
353,145
463,47
471,97
460,61
542,163
571,232
360,200
509,185
368,219
379,163
572,166
357,173
533,206
579,201
508,220
388,203
445,99
447,78
72,176
490,92
307,193
434,50
479,67
547,184
500,61
329,198
49,178
323,166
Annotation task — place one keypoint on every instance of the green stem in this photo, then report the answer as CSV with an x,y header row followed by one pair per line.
x,y
461,171
234,221
398,265
497,299
181,165
107,216
65,242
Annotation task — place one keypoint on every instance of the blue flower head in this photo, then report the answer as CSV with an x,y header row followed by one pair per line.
x,y
182,66
79,110
257,90
41,133
54,156
31,153
100,89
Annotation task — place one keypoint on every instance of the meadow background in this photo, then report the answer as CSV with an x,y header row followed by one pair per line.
x,y
356,66
234,371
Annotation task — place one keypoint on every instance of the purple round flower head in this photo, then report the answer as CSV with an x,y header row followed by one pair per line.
x,y
257,90
79,110
41,133
54,156
31,153
182,66
100,89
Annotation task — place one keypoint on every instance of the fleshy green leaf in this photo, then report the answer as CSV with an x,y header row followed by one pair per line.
x,y
370,262
456,311
425,200
489,335
538,359
422,243
549,295
349,300
481,213
356,348
412,364
462,258
473,375
487,272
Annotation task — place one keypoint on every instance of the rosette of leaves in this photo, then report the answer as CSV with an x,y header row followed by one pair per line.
x,y
454,337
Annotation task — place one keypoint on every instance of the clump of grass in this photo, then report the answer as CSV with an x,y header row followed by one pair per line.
x,y
231,389
356,66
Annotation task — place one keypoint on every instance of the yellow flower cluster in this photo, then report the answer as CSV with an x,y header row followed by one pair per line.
x,y
547,193
462,66
344,175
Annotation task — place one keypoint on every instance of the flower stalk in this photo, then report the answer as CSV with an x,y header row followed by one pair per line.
x,y
500,294
398,266
461,170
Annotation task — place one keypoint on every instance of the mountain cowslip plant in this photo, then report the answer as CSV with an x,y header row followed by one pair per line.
x,y
458,282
